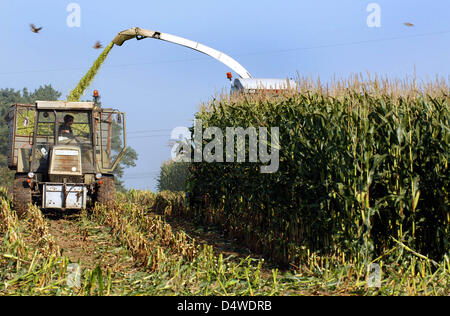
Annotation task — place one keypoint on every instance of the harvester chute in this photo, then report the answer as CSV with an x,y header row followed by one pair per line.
x,y
139,34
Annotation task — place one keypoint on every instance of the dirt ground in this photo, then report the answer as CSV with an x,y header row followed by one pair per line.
x,y
91,245
85,243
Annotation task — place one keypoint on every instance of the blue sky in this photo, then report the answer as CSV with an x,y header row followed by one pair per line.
x,y
160,85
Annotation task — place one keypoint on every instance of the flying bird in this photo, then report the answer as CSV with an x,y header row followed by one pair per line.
x,y
98,45
408,24
35,29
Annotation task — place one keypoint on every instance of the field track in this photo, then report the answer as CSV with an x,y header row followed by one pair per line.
x,y
82,240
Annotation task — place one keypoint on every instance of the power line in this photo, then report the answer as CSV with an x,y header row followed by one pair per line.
x,y
347,43
148,136
239,54
142,173
141,176
150,131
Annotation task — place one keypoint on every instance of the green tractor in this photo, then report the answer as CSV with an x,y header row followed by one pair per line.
x,y
64,154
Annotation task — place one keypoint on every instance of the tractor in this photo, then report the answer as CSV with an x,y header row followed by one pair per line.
x,y
64,154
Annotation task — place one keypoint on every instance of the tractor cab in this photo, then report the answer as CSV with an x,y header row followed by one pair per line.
x,y
63,143
64,153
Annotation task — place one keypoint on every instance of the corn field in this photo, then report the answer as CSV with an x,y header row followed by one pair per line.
x,y
363,165
162,260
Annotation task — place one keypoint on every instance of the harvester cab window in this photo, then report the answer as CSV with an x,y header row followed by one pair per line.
x,y
65,129
74,128
44,139
21,120
25,121
111,138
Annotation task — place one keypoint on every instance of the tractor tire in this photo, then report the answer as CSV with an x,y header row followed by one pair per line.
x,y
21,196
106,192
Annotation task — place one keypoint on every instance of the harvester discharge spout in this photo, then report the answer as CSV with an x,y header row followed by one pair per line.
x,y
140,34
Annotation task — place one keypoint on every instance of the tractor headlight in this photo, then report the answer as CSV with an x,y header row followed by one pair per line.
x,y
98,176
31,175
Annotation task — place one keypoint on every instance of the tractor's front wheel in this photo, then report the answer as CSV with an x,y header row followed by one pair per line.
x,y
106,192
21,195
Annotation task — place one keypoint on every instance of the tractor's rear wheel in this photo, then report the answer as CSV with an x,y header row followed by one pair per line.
x,y
106,192
21,196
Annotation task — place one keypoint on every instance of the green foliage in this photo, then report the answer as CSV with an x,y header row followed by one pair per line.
x,y
356,169
84,83
128,160
173,176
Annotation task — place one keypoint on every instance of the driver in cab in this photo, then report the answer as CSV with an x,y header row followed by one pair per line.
x,y
65,130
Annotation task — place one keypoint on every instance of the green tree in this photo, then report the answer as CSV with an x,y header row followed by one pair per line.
x,y
173,176
128,159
